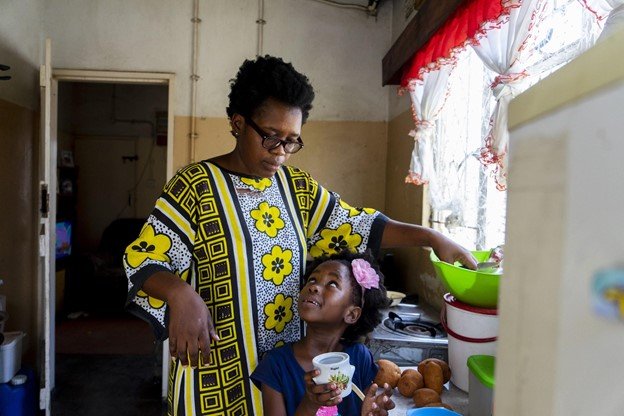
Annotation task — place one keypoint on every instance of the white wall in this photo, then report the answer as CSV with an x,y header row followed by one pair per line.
x,y
398,104
339,49
20,48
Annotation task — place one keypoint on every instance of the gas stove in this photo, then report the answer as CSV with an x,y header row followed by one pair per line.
x,y
408,334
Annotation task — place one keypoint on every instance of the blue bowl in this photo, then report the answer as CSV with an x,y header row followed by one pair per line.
x,y
431,411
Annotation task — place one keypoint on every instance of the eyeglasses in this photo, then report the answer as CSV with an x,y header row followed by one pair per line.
x,y
272,142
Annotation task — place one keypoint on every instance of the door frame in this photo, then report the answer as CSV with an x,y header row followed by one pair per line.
x,y
108,77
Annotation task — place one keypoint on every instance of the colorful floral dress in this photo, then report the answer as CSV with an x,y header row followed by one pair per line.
x,y
242,244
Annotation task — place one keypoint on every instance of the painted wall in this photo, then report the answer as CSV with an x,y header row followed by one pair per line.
x,y
21,48
339,49
18,252
348,157
398,104
408,203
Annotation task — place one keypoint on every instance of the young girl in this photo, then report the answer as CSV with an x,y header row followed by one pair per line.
x,y
340,303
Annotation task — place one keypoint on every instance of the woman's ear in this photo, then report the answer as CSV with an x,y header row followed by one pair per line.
x,y
352,314
236,122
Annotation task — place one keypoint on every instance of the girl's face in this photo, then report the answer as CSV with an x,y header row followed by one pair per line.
x,y
274,118
327,296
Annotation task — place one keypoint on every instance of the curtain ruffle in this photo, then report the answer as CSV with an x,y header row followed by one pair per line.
x,y
471,20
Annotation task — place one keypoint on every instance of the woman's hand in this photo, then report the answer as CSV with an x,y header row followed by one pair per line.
x,y
190,326
377,404
318,395
449,251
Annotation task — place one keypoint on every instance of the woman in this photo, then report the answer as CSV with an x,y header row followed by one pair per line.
x,y
218,265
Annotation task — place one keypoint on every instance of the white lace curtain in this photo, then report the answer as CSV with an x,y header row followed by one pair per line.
x,y
513,48
511,51
502,50
428,96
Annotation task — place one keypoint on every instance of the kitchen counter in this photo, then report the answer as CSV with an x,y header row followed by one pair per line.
x,y
453,396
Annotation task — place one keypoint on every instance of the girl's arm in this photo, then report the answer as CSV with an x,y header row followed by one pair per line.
x,y
272,401
273,404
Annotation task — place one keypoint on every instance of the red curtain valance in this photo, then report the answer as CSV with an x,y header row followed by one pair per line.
x,y
464,24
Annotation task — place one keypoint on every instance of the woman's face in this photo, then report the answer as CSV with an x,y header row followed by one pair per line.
x,y
275,119
328,293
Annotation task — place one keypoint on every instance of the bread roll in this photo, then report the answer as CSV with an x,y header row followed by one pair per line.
x,y
388,372
410,381
446,370
432,376
424,396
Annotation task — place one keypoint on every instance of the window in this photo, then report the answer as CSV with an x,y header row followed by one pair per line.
x,y
468,207
471,210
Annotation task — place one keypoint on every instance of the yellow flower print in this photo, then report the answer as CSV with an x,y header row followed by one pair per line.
x,y
268,219
279,343
259,184
278,313
335,241
148,245
355,211
277,265
157,303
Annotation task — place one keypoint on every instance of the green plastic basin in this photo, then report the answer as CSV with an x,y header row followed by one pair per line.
x,y
477,288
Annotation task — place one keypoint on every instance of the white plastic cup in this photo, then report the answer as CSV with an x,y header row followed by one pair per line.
x,y
334,368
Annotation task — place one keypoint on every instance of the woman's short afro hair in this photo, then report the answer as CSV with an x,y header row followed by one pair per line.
x,y
269,77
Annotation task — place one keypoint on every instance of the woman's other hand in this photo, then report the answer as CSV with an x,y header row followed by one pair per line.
x,y
190,323
449,251
377,404
190,327
318,395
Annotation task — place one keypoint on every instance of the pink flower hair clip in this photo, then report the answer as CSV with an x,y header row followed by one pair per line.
x,y
365,275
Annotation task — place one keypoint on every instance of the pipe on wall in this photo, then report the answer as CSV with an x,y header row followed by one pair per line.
x,y
371,9
194,78
261,22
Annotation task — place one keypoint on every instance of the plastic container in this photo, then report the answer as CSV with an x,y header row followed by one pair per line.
x,y
477,288
10,355
431,411
471,331
17,398
481,385
4,316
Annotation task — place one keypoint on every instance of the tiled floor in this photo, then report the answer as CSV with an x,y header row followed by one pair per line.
x,y
107,385
107,366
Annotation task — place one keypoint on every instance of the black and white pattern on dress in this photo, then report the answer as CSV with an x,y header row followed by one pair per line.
x,y
279,246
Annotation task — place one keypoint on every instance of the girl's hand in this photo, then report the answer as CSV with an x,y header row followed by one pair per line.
x,y
377,404
318,395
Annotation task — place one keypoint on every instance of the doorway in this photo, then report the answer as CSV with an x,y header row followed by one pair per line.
x,y
113,158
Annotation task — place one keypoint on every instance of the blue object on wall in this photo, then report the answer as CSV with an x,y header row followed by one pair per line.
x,y
608,293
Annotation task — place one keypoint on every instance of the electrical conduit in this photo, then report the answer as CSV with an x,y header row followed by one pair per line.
x,y
194,78
261,22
